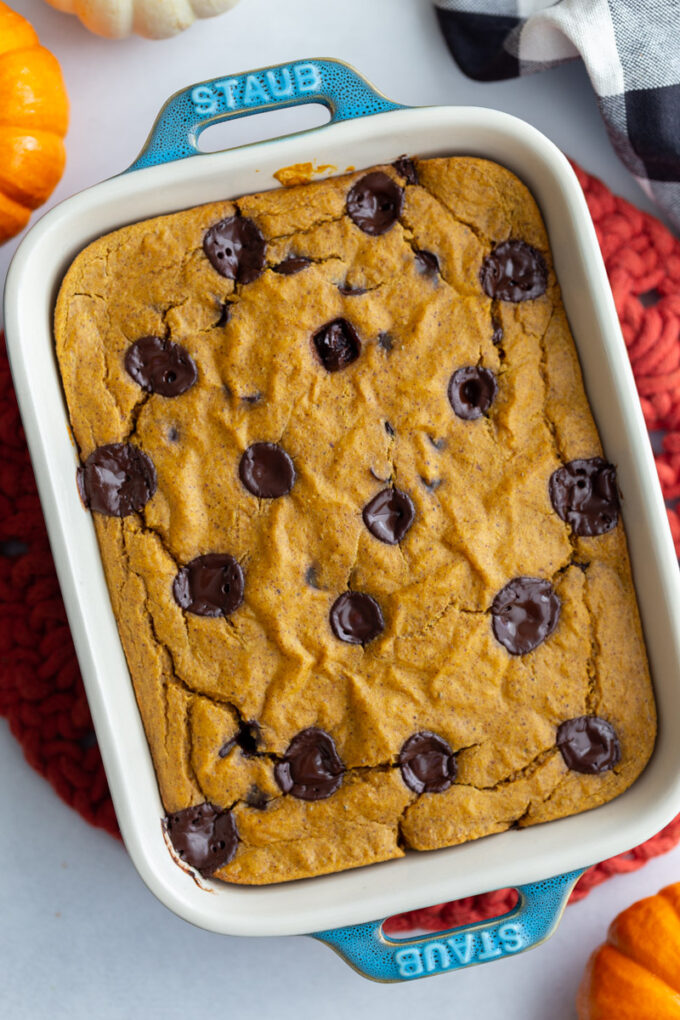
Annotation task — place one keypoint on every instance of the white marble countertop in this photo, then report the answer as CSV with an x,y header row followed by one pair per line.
x,y
83,936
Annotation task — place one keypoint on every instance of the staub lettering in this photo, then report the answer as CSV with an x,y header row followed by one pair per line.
x,y
256,89
461,950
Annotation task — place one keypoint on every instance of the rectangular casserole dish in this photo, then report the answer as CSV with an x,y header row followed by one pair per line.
x,y
365,129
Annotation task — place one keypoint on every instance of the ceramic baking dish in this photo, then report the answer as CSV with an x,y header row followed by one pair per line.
x,y
365,129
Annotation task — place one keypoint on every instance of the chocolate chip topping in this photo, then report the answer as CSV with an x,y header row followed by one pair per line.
x,y
348,291
514,271
589,744
117,480
385,342
225,315
247,738
292,265
311,768
252,398
160,366
356,618
525,612
472,391
406,168
203,837
312,579
210,585
584,494
427,763
267,471
389,515
497,335
235,247
337,344
375,202
427,263
256,798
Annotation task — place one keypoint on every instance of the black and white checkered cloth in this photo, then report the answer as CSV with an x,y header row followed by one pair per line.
x,y
631,49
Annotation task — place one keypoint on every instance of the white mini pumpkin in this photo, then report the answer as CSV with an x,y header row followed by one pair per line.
x,y
154,19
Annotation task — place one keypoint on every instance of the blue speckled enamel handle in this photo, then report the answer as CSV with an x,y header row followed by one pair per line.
x,y
534,919
331,83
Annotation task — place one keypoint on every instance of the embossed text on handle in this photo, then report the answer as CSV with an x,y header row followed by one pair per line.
x,y
272,86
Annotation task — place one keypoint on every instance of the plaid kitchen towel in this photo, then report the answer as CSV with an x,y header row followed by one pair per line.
x,y
631,49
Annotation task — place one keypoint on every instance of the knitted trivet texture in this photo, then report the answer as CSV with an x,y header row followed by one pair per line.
x,y
41,692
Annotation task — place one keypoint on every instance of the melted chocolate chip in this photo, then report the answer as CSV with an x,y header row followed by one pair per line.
x,y
235,247
292,265
525,612
386,342
173,434
203,836
514,271
389,429
160,366
497,335
584,494
348,291
117,480
311,578
267,471
210,585
10,548
337,344
389,515
589,744
356,618
427,263
256,798
406,168
225,315
439,444
247,738
311,768
252,398
375,202
472,391
427,763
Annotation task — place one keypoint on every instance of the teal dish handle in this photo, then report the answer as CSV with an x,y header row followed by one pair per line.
x,y
331,83
539,909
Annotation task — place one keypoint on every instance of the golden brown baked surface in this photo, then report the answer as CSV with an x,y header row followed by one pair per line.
x,y
223,697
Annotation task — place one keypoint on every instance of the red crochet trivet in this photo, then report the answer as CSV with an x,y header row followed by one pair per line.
x,y
41,692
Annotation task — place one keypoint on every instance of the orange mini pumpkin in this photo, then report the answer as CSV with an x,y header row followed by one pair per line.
x,y
635,974
33,122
